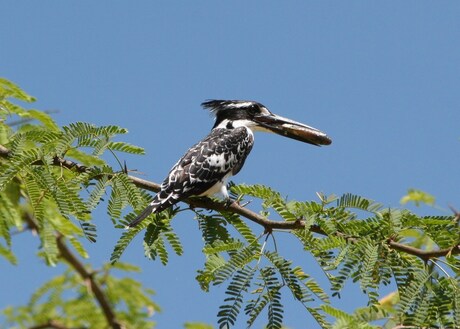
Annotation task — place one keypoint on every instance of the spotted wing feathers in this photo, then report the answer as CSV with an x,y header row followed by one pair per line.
x,y
205,164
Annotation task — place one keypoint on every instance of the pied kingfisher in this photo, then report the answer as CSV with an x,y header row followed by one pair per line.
x,y
207,165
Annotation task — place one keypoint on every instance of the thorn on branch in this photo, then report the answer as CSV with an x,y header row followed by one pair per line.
x,y
268,230
456,214
246,203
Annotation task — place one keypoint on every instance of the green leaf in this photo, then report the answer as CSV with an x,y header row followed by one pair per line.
x,y
16,164
241,226
213,264
289,276
418,197
410,292
157,234
174,241
336,313
212,228
8,254
9,214
48,242
78,246
98,191
349,200
153,242
43,117
269,297
320,318
84,158
10,89
124,193
259,191
220,246
237,261
239,285
125,239
125,147
89,230
368,269
284,212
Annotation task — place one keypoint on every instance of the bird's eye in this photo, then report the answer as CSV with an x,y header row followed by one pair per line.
x,y
253,110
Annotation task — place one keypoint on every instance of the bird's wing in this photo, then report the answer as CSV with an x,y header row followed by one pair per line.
x,y
206,163
222,152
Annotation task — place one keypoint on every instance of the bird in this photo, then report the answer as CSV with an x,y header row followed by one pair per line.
x,y
206,167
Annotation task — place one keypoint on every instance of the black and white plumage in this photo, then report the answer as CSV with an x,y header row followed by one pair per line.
x,y
206,166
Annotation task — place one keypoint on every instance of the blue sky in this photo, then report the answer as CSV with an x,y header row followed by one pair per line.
x,y
381,78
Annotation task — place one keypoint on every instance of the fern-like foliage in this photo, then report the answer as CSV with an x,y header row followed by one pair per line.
x,y
213,227
53,178
43,190
351,248
34,169
157,234
269,296
273,295
239,285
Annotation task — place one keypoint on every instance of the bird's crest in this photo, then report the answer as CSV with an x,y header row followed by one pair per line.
x,y
217,105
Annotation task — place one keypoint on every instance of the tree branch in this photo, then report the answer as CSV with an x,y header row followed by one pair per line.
x,y
86,275
268,224
210,204
423,254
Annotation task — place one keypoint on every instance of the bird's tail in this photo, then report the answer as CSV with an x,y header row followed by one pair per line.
x,y
157,205
144,214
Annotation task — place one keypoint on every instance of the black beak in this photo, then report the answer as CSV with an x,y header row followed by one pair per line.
x,y
292,129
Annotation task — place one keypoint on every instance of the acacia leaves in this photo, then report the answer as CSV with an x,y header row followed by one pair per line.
x,y
353,239
42,190
34,162
52,179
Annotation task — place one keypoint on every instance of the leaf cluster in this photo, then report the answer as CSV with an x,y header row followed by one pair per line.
x,y
158,234
350,239
36,180
53,196
66,300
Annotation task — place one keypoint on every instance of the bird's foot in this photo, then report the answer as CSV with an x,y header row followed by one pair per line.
x,y
229,202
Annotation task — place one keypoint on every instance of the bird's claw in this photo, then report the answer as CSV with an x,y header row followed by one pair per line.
x,y
229,202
